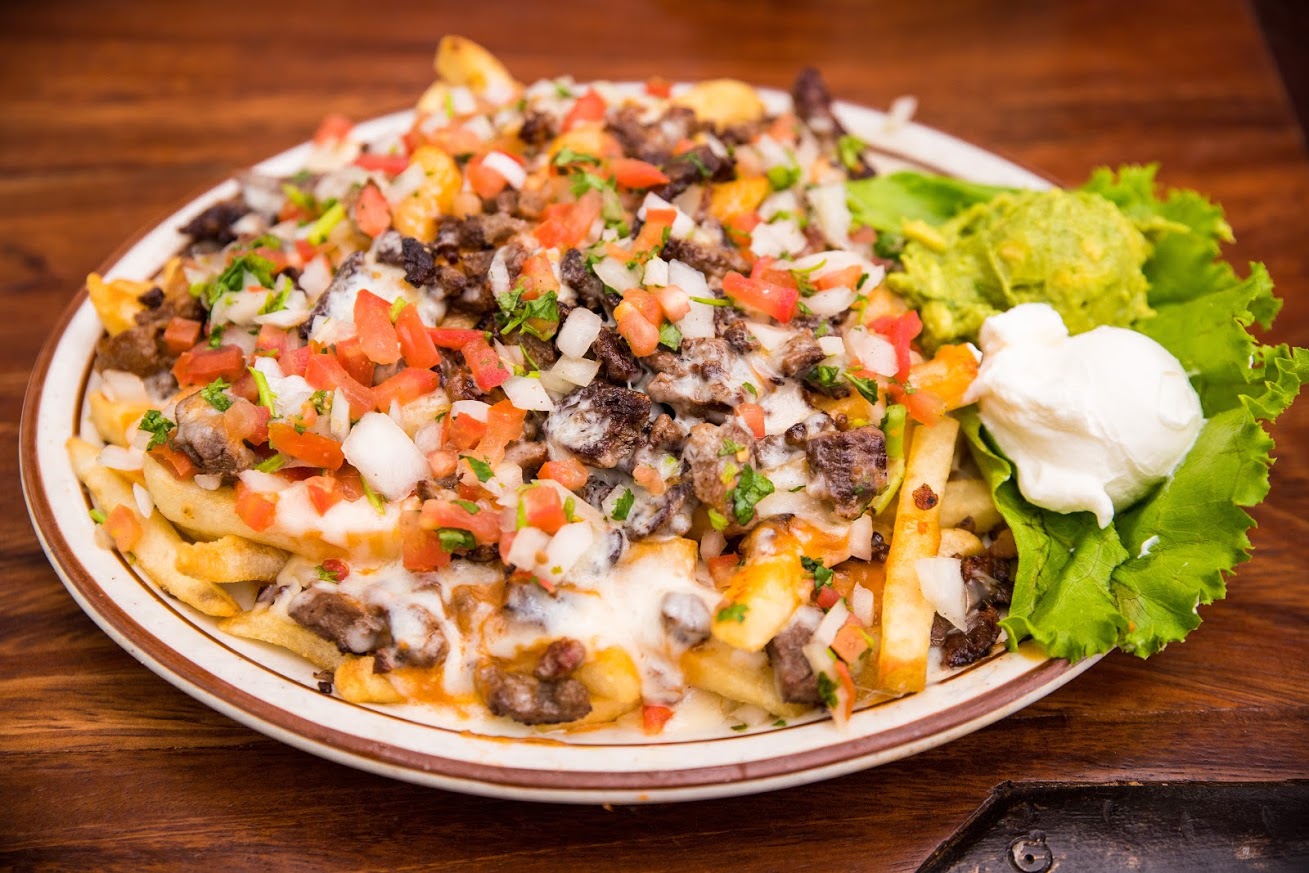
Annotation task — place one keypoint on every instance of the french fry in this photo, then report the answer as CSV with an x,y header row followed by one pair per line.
x,y
116,302
267,626
969,498
947,374
959,543
723,102
736,675
460,61
231,559
114,419
614,683
356,682
761,596
156,551
906,614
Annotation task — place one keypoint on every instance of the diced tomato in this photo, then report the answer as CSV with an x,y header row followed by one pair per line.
x,y
487,368
312,448
827,597
125,528
948,374
632,173
648,478
722,568
324,492
484,181
543,509
765,270
845,278
844,697
350,352
245,388
178,463
463,431
864,236
333,128
753,416
658,224
901,331
181,334
406,386
673,301
391,165
923,406
783,128
641,335
324,372
244,420
645,303
202,366
484,524
567,225
255,508
657,86
570,473
504,425
376,332
771,299
339,569
372,212
273,339
506,543
293,362
537,278
306,250
443,463
850,644
453,337
653,718
351,482
455,140
740,227
589,107
421,550
416,344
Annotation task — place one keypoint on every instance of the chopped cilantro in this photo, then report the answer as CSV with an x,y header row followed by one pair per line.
x,y
781,722
481,469
216,335
266,241
267,397
520,519
321,402
233,278
824,377
827,690
275,301
587,181
98,516
751,388
562,91
453,538
157,426
325,574
567,157
730,447
750,489
713,301
468,505
670,336
570,509
740,727
850,149
624,505
516,313
397,306
718,520
781,177
822,575
325,223
272,463
300,198
214,396
822,330
373,497
694,159
866,387
736,612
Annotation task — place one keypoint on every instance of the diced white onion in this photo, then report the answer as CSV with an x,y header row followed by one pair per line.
x,y
475,409
144,502
770,337
264,483
481,127
528,543
861,538
385,456
340,420
507,167
689,279
498,273
566,547
831,623
579,371
656,273
556,384
315,277
712,544
578,332
406,183
119,458
861,604
942,585
209,481
831,212
428,437
683,224
831,302
525,392
616,275
871,350
778,239
901,111
123,387
831,345
820,658
698,323
462,100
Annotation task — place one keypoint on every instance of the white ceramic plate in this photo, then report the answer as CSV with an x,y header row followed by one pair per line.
x,y
273,692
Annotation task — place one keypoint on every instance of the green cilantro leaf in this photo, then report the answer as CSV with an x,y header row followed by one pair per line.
x,y
827,690
374,498
670,336
568,157
718,520
822,575
735,612
267,397
216,335
624,505
325,574
321,401
214,396
98,516
850,149
453,538
730,447
528,315
275,301
481,469
469,506
866,387
750,489
782,176
713,301
272,463
157,426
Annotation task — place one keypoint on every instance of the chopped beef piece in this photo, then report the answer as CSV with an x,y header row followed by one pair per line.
x,y
152,299
203,436
773,451
800,353
449,281
940,630
344,278
504,203
881,548
799,434
531,205
526,603
389,248
430,650
705,381
420,267
960,649
989,579
813,103
560,659
448,236
617,363
578,276
488,231
666,435
529,700
668,511
215,223
528,454
795,678
338,618
847,468
741,133
515,256
538,128
708,455
138,350
601,423
457,378
712,260
686,618
738,336
693,167
540,352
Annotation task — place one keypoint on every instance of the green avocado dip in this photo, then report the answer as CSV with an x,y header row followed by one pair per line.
x,y
1072,249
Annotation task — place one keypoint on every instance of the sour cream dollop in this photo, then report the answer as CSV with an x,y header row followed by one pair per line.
x,y
1091,422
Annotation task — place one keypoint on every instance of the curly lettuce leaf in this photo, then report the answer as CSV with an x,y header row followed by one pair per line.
x,y
885,202
1138,583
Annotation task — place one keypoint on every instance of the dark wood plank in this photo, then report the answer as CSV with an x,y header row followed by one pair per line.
x,y
111,114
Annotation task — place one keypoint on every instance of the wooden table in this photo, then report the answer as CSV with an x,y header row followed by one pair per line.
x,y
112,113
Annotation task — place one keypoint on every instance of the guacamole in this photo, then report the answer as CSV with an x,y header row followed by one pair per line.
x,y
1072,249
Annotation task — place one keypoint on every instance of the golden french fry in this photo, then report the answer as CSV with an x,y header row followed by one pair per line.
x,y
460,61
116,302
231,559
416,214
759,601
267,626
614,683
969,498
723,102
906,614
356,682
959,543
740,676
156,552
728,199
114,419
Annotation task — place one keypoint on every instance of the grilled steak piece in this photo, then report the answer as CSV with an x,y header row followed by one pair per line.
x,y
847,468
685,617
800,353
617,363
960,649
560,659
215,223
795,678
529,700
712,260
715,465
578,276
202,434
601,423
338,618
430,651
704,381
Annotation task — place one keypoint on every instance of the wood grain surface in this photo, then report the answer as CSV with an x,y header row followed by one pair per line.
x,y
112,113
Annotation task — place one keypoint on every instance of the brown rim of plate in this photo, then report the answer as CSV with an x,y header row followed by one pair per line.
x,y
194,679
